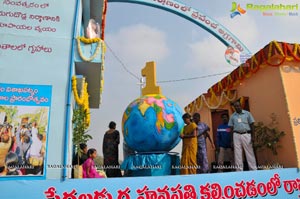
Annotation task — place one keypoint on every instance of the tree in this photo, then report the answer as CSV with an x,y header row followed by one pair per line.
x,y
10,112
80,126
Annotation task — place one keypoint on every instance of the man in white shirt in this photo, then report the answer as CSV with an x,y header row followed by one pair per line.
x,y
241,123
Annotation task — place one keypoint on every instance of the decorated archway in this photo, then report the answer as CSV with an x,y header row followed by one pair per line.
x,y
204,21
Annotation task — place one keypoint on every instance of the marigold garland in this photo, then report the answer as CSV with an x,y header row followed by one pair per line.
x,y
101,45
102,68
256,62
83,99
79,100
223,99
95,53
89,41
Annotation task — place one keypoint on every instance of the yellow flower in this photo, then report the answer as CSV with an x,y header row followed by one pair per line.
x,y
83,100
89,41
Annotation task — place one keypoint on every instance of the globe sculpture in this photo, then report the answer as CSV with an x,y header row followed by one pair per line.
x,y
152,123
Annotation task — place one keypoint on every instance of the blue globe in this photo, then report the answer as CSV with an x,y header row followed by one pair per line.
x,y
152,123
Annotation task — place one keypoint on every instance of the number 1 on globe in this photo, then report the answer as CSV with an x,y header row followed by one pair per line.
x,y
149,71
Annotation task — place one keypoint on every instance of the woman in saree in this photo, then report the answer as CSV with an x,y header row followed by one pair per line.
x,y
189,146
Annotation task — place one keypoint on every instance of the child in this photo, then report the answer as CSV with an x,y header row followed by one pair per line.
x,y
88,167
11,161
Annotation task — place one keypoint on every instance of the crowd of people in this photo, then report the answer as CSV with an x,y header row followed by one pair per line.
x,y
21,150
234,136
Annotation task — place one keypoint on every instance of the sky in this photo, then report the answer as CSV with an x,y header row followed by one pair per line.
x,y
136,34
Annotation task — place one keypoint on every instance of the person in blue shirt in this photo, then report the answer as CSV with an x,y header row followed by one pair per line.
x,y
224,143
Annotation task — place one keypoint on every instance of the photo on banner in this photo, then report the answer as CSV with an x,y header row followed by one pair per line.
x,y
24,121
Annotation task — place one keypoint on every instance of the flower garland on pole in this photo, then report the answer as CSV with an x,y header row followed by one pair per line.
x,y
83,99
100,45
102,68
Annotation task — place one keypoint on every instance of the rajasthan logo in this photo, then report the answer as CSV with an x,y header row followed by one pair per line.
x,y
236,10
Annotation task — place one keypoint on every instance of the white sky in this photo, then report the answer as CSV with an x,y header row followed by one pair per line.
x,y
138,34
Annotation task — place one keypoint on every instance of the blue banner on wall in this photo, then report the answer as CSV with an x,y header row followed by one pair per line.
x,y
25,95
24,121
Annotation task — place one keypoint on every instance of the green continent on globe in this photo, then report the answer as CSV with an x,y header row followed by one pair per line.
x,y
152,123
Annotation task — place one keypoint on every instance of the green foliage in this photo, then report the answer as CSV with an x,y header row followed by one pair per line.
x,y
40,116
80,128
10,111
267,136
42,129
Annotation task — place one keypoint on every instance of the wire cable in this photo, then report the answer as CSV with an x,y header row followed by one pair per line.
x,y
120,61
192,78
163,81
